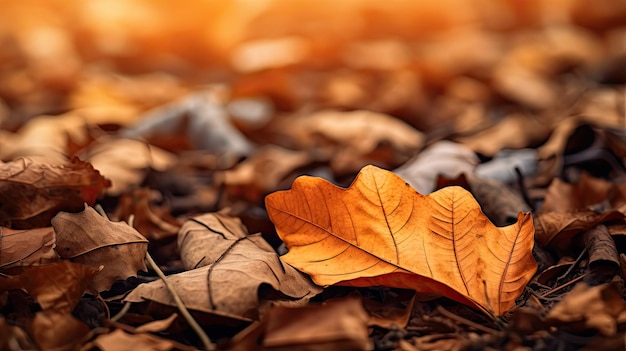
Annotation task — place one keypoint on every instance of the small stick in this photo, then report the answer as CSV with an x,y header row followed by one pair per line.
x,y
206,342
564,285
122,312
462,320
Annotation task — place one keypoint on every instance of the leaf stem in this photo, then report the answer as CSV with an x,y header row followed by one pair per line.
x,y
206,342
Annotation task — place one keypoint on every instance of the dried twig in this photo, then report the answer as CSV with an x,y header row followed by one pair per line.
x,y
206,342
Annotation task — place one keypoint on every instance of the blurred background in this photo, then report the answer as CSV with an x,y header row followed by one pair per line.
x,y
422,61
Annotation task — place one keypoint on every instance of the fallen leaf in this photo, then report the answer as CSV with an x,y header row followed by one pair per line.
x,y
443,158
498,201
515,131
603,255
58,287
94,241
126,161
393,312
557,229
119,340
599,307
200,119
157,326
503,166
263,172
354,138
20,249
14,337
55,331
45,139
224,258
151,221
382,232
587,191
336,325
32,193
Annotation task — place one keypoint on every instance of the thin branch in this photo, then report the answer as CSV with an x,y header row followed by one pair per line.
x,y
467,322
206,342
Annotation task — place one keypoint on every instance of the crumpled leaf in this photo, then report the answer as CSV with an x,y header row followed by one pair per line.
x,y
336,325
563,197
26,248
151,221
380,231
222,259
57,287
354,139
557,229
32,193
263,171
56,331
126,161
93,240
502,166
600,307
122,340
200,120
442,158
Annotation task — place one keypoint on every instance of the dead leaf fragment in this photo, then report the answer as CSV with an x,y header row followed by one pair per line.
x,y
443,158
557,229
597,307
150,220
32,193
119,340
93,240
230,270
562,197
126,161
380,231
58,287
335,325
55,331
25,248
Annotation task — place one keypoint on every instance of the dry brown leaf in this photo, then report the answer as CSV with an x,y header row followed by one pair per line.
x,y
13,337
93,240
380,231
354,138
200,120
150,220
58,331
599,307
25,248
393,312
563,197
230,270
557,229
336,325
443,158
32,193
58,287
126,161
617,197
45,139
119,340
515,131
157,326
263,172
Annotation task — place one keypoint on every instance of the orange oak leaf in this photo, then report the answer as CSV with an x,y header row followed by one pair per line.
x,y
380,231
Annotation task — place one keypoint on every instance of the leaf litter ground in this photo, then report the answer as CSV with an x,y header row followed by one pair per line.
x,y
142,132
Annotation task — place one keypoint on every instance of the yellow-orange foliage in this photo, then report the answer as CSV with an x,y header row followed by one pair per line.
x,y
380,231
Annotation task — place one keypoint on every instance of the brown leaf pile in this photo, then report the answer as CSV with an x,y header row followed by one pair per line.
x,y
363,175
